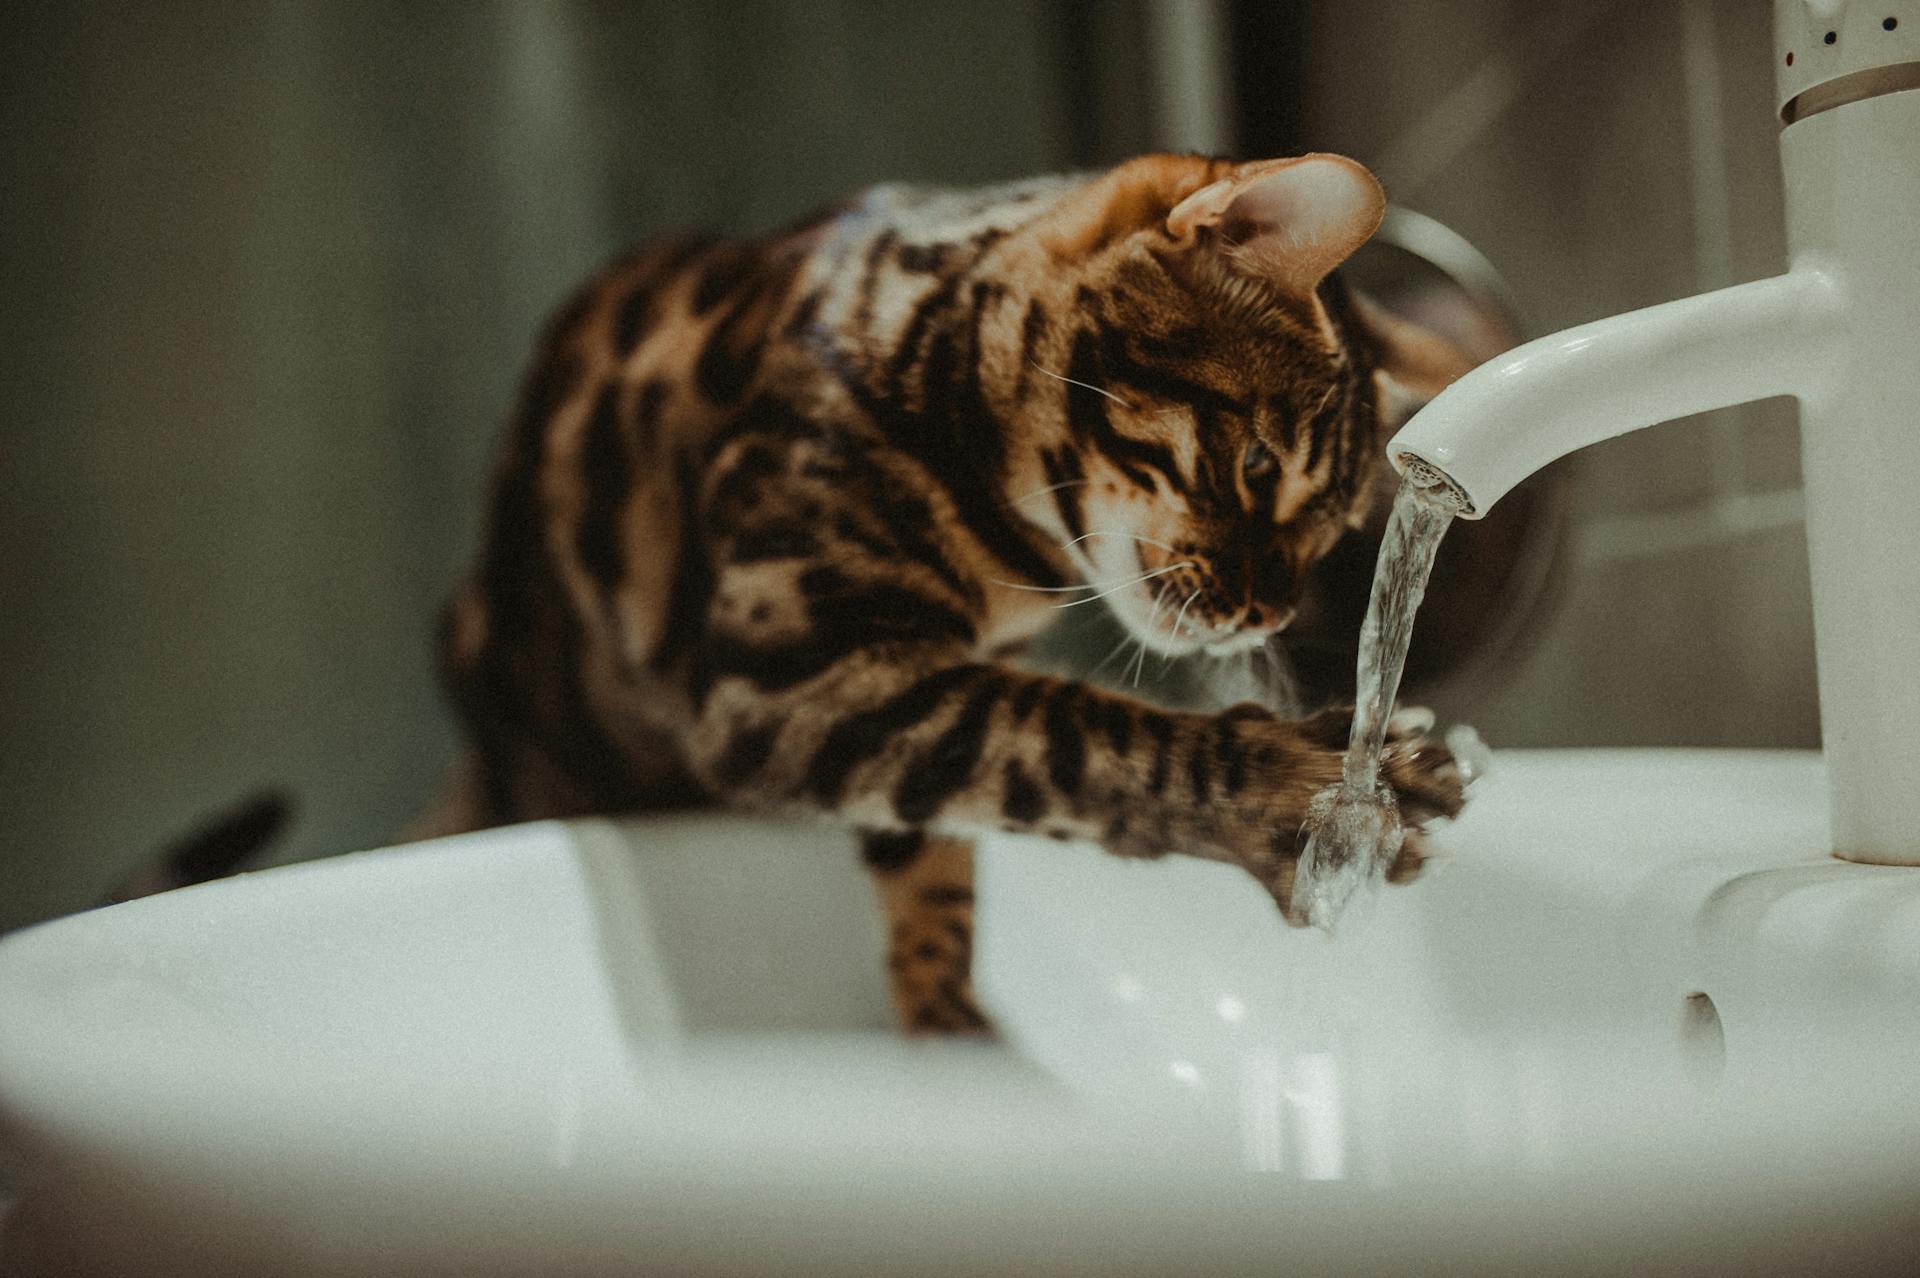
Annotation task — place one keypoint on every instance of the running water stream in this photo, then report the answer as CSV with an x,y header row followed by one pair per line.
x,y
1353,826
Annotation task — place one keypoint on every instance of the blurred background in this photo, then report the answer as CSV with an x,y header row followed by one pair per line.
x,y
272,270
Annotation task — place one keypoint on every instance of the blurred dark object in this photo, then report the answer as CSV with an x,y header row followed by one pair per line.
x,y
224,843
1267,45
1492,579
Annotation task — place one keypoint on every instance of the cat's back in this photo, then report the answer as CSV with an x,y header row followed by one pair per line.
x,y
573,624
662,348
703,311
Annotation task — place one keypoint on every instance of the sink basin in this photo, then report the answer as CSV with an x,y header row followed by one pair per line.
x,y
1635,1018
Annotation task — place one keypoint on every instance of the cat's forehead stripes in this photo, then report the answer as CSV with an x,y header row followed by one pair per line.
x,y
1190,363
1145,463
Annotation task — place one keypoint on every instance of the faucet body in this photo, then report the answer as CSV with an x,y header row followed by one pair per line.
x,y
1840,331
1853,202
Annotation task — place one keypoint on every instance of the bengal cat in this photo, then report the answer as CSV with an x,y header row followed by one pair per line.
x,y
775,517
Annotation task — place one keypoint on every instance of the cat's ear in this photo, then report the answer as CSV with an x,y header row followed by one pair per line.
x,y
1288,222
1417,362
1133,196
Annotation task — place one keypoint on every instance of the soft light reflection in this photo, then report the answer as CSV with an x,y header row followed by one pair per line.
x,y
1293,1117
1232,1010
1128,988
1260,1120
1318,1116
1187,1072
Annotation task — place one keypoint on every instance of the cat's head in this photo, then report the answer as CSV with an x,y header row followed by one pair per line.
x,y
1220,390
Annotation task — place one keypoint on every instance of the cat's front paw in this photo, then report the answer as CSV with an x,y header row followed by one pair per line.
x,y
1268,835
1427,779
1428,782
1415,851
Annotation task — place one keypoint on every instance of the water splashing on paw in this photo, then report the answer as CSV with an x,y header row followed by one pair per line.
x,y
1353,827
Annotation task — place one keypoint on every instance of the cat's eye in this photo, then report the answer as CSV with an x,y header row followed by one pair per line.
x,y
1259,460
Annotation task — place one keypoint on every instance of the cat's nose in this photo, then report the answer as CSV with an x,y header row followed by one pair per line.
x,y
1267,617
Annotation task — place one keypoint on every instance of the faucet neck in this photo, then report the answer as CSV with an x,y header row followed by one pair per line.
x,y
1541,401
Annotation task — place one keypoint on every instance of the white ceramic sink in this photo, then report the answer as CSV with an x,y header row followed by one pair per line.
x,y
1639,1020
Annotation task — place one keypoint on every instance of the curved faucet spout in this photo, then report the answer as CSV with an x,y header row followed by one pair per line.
x,y
1541,401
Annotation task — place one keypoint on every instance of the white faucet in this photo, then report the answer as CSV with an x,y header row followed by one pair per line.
x,y
1840,331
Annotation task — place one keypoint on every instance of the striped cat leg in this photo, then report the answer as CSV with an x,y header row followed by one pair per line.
x,y
888,743
925,886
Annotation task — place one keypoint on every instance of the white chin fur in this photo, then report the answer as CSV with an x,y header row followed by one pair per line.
x,y
1156,632
1241,641
1160,641
1158,636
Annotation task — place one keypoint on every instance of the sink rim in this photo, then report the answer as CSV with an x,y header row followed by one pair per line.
x,y
1845,1140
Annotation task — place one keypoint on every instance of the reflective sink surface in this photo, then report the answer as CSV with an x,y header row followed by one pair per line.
x,y
1636,1018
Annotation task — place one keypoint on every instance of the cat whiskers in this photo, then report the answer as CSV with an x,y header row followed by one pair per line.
x,y
1268,680
1313,415
1067,547
1140,658
1283,685
1114,590
1228,677
1049,590
1115,651
1074,381
1140,661
1111,587
1145,541
1050,488
1178,621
